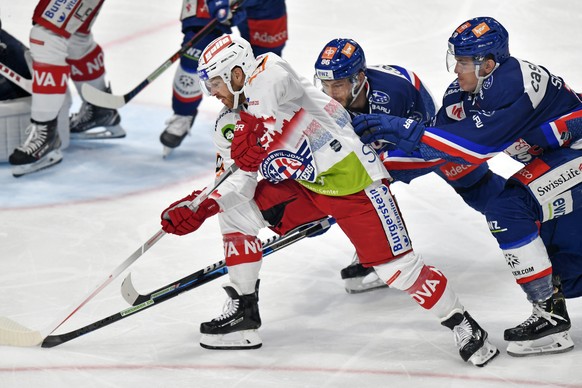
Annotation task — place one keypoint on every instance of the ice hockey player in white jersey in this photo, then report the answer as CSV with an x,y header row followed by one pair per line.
x,y
302,143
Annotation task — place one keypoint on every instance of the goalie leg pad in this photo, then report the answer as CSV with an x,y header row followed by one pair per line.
x,y
554,343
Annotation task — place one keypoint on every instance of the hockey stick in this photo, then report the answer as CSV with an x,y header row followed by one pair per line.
x,y
276,243
112,101
14,77
189,282
14,334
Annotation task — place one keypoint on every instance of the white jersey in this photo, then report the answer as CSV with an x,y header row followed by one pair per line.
x,y
235,195
309,135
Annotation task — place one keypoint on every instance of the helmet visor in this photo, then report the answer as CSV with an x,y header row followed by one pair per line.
x,y
461,65
212,85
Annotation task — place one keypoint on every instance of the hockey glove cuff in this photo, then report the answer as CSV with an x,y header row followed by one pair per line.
x,y
405,133
246,149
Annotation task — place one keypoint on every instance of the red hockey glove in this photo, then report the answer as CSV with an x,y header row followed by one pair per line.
x,y
182,220
184,201
246,149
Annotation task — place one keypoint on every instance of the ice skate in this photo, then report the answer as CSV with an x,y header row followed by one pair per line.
x,y
40,150
359,279
544,332
471,339
94,122
177,127
237,327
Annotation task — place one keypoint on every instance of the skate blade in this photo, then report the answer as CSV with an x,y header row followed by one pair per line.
x,y
485,354
167,151
48,160
553,343
245,339
367,283
112,132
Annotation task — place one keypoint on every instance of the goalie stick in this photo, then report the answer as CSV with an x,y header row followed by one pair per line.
x,y
112,101
14,77
15,334
189,282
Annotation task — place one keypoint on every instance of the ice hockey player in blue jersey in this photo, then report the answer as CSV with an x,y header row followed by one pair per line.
x,y
342,73
262,23
497,104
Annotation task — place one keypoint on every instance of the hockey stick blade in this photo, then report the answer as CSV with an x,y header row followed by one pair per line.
x,y
14,334
133,297
188,283
102,98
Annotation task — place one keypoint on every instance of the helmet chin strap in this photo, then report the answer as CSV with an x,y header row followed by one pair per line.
x,y
235,103
355,93
480,79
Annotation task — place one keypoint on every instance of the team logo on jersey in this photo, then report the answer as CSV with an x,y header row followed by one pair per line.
x,y
284,164
488,82
456,111
379,97
228,132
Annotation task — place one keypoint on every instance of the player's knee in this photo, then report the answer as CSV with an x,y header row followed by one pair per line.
x,y
241,248
401,273
186,85
47,47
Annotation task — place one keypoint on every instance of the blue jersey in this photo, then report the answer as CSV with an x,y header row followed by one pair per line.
x,y
521,109
397,91
265,24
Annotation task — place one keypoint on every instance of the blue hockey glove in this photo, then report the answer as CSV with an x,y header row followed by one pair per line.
x,y
220,9
404,133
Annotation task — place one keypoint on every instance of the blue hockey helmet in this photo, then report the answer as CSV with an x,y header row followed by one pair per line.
x,y
478,38
340,58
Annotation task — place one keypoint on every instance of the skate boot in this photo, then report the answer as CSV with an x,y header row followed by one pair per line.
x,y
177,127
90,117
471,339
359,279
237,327
40,150
544,332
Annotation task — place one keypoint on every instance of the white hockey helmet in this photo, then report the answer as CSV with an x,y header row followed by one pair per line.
x,y
221,56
